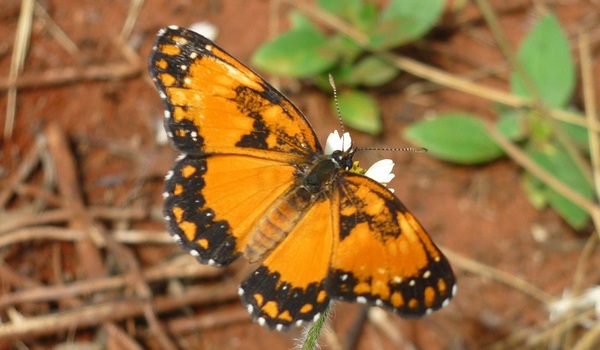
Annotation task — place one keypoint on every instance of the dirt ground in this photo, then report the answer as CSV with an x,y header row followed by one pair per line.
x,y
87,263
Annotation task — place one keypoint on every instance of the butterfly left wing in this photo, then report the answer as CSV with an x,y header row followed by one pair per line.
x,y
242,140
382,255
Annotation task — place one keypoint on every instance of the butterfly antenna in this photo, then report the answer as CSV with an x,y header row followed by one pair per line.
x,y
337,105
403,149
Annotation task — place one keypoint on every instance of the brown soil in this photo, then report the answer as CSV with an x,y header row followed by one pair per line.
x,y
98,166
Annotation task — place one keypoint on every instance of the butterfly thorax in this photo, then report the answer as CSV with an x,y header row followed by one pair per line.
x,y
315,183
323,172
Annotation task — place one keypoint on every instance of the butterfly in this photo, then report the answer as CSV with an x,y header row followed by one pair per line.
x,y
254,181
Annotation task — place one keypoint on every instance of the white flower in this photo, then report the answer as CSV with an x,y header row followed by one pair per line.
x,y
205,28
381,171
568,303
335,142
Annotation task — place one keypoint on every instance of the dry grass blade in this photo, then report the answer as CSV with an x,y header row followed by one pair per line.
x,y
591,111
22,39
497,275
55,30
135,6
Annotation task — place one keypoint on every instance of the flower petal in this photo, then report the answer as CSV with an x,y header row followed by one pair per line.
x,y
335,142
381,171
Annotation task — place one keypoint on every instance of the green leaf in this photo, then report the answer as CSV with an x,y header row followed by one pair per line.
x,y
298,53
511,124
359,111
299,21
557,162
457,138
546,58
343,8
360,14
577,133
535,190
404,21
371,71
347,49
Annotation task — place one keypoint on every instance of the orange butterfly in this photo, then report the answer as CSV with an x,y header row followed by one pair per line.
x,y
253,180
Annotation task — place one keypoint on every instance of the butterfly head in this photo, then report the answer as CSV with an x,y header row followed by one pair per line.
x,y
342,152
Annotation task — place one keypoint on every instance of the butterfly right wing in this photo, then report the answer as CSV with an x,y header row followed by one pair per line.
x,y
213,202
215,104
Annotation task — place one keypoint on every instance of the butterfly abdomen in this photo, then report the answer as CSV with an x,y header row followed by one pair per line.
x,y
278,222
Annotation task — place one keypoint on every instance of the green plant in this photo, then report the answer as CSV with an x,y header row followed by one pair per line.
x,y
305,51
548,76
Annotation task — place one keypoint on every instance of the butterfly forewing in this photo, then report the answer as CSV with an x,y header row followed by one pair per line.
x,y
214,104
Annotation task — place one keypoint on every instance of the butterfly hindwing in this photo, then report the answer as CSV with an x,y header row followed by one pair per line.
x,y
288,288
214,104
213,202
382,255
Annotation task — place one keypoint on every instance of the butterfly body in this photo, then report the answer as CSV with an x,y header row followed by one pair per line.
x,y
254,181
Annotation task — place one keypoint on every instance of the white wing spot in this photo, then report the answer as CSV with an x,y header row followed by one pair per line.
x,y
261,321
316,317
412,283
361,300
426,274
194,253
279,327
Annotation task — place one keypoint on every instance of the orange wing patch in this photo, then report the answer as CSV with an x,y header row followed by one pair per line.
x,y
397,266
